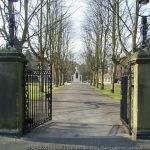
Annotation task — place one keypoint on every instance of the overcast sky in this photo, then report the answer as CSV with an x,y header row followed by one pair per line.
x,y
77,19
78,8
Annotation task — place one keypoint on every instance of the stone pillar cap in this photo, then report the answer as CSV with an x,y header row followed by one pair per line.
x,y
140,56
11,55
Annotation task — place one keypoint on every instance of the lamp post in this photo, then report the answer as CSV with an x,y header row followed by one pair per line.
x,y
144,29
11,22
144,26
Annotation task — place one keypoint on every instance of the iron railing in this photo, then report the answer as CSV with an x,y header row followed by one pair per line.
x,y
125,104
38,97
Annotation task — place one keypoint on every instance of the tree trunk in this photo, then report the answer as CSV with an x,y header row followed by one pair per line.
x,y
42,78
90,78
113,77
60,78
94,83
135,28
57,77
63,79
97,78
102,79
114,46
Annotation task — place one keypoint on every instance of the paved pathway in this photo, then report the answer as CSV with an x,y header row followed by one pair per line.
x,y
80,112
81,118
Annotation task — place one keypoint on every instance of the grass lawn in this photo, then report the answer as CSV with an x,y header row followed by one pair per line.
x,y
55,88
107,91
34,91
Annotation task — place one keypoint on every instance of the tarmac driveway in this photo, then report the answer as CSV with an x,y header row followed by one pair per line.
x,y
82,119
79,111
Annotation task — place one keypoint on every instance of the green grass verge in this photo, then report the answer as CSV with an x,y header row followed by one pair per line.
x,y
107,91
34,91
55,88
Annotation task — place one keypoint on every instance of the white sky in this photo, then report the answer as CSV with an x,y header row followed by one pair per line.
x,y
78,7
77,19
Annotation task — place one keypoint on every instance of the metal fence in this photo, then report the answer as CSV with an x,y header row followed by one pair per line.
x,y
125,101
38,97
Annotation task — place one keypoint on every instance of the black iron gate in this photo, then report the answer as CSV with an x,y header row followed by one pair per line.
x,y
38,97
125,106
124,93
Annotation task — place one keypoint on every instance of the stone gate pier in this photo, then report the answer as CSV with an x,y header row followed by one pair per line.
x,y
12,65
140,94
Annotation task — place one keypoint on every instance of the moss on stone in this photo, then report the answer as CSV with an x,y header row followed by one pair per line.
x,y
8,124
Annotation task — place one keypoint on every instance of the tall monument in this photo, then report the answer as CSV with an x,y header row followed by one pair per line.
x,y
76,78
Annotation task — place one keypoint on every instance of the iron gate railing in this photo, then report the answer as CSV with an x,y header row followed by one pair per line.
x,y
125,104
124,93
38,97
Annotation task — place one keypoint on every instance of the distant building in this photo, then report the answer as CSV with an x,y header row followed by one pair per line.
x,y
107,78
76,78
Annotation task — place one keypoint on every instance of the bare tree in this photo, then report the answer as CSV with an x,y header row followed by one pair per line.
x,y
25,19
96,35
